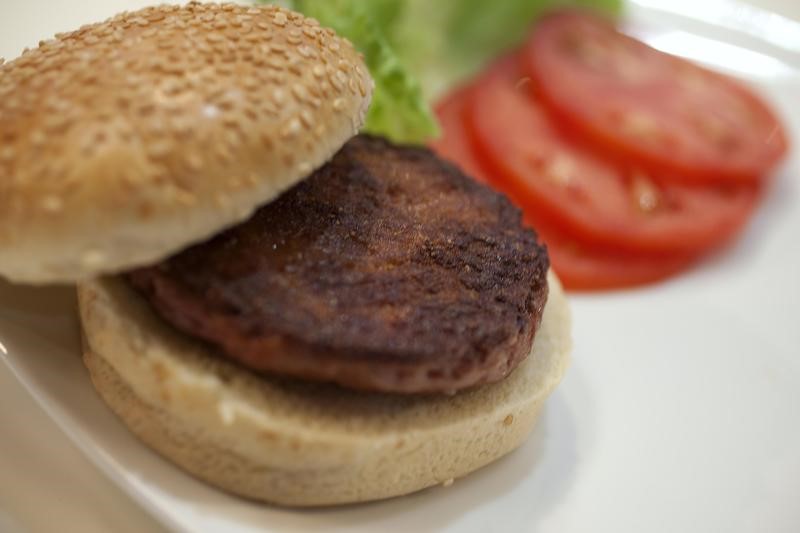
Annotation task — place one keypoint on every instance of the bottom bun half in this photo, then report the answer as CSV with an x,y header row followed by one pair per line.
x,y
303,444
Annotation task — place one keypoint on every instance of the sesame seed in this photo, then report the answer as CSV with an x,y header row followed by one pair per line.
x,y
325,88
299,92
269,108
250,83
336,82
295,65
306,51
275,63
306,118
156,16
279,19
291,128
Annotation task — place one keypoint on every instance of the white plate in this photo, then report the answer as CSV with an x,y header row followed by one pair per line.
x,y
678,414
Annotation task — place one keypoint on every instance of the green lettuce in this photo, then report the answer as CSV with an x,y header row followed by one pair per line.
x,y
463,35
417,49
399,109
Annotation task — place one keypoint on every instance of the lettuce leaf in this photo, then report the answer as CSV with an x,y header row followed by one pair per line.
x,y
464,35
417,49
398,110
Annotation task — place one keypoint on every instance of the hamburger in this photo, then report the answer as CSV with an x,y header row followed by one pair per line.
x,y
283,307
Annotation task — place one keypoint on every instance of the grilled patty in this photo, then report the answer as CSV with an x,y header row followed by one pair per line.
x,y
386,270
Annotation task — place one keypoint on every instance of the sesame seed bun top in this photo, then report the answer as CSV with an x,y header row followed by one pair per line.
x,y
125,141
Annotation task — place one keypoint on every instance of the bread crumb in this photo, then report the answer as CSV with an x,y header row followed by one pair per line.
x,y
448,482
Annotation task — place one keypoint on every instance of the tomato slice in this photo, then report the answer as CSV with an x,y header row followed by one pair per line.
x,y
584,196
454,143
579,267
584,268
649,109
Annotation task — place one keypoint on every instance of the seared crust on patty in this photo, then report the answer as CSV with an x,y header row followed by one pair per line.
x,y
386,270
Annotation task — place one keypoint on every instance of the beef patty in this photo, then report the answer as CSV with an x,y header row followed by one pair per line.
x,y
387,270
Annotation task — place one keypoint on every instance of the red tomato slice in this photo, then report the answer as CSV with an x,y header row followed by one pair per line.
x,y
578,267
454,144
649,109
585,197
583,268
